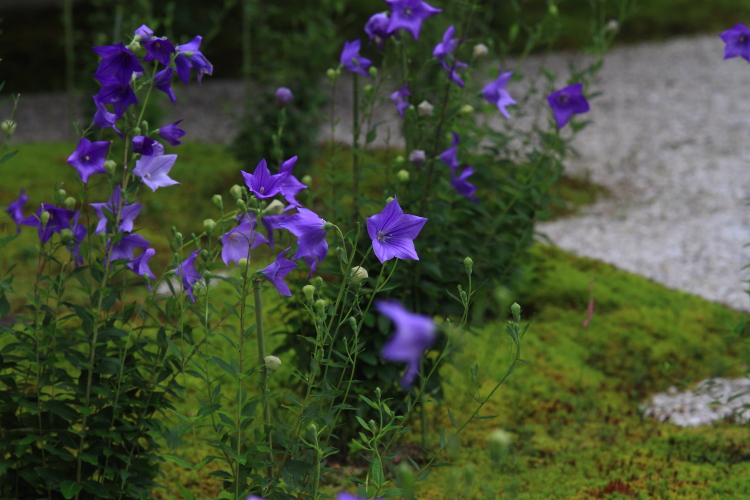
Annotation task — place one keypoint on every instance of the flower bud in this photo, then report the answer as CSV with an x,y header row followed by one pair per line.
x,y
241,205
553,10
499,442
207,274
373,425
70,203
358,274
307,180
480,51
134,46
373,71
612,26
353,323
209,225
242,262
66,235
417,157
204,254
341,254
403,175
174,230
8,127
332,74
110,166
283,96
466,110
327,225
314,429
44,218
144,126
378,393
137,131
468,264
61,194
406,476
309,292
425,108
399,160
388,200
318,283
275,208
236,192
218,201
272,363
515,309
320,306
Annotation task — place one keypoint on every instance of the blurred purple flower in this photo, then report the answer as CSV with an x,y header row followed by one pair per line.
x,y
450,155
117,65
103,118
188,56
495,93
188,274
398,98
737,40
272,223
139,265
129,212
392,233
160,49
89,157
125,248
163,83
414,334
237,242
377,28
310,232
261,183
15,209
290,185
566,102
352,61
121,96
144,32
172,133
409,15
59,219
453,74
79,234
445,48
276,272
146,146
283,96
154,170
462,185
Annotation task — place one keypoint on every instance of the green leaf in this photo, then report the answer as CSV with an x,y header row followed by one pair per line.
x,y
61,409
208,410
369,402
393,492
453,420
8,156
70,488
293,471
179,461
175,350
186,493
377,473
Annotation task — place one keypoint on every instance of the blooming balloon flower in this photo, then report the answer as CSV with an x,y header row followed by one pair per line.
x,y
377,28
89,157
125,248
238,242
159,49
163,83
409,15
146,146
450,155
276,272
117,65
567,102
154,170
73,246
172,133
352,61
188,274
399,99
59,219
311,235
121,96
144,33
737,40
290,186
129,212
139,265
445,48
261,183
414,334
392,233
15,209
463,186
103,118
188,56
283,96
495,93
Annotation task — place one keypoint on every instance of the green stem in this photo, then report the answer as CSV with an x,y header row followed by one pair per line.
x,y
355,145
266,421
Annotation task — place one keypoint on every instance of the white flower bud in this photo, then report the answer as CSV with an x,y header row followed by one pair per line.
x,y
358,274
466,110
275,208
403,175
309,292
388,200
8,127
417,157
480,51
612,25
425,108
307,180
70,203
272,363
242,262
499,441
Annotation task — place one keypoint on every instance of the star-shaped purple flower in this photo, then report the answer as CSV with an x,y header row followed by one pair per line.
x,y
276,272
261,183
450,155
495,93
139,265
121,96
103,118
414,334
59,219
310,232
737,40
160,49
238,242
352,61
398,98
271,223
408,15
445,48
15,209
154,170
377,28
89,157
125,248
163,83
188,274
172,133
188,56
129,212
463,186
144,32
74,246
290,185
567,102
117,65
392,233
146,146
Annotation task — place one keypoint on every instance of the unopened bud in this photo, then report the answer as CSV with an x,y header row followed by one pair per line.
x,y
307,180
466,110
388,200
327,225
468,264
309,292
425,108
204,254
144,126
612,25
480,51
403,175
209,225
275,208
417,157
61,194
241,205
373,71
236,191
272,363
44,218
499,442
134,46
8,127
70,203
207,274
353,323
373,425
66,235
331,74
553,10
283,96
341,254
399,160
218,201
358,274
110,166
319,283
314,429
320,306
242,262
368,89
515,309
137,131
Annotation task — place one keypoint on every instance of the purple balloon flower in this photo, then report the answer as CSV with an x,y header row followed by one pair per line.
x,y
450,155
290,185
125,248
154,170
283,96
103,118
271,223
172,133
351,59
737,40
89,157
59,219
238,242
567,102
377,29
409,15
446,47
139,265
163,83
159,49
129,212
188,274
144,32
15,209
121,96
276,272
261,183
392,233
310,232
399,99
414,334
495,93
463,186
79,234
117,65
146,146
453,74
188,56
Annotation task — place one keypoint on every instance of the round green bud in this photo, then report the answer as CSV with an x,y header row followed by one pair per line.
x,y
44,218
468,264
515,309
358,274
275,208
134,46
272,363
61,194
207,274
66,235
373,71
241,205
327,225
373,425
70,203
110,166
242,262
218,201
204,254
307,180
309,292
353,323
388,200
368,89
320,306
209,225
399,160
553,10
331,73
137,131
403,175
8,127
236,191
178,236
144,125
319,283
466,110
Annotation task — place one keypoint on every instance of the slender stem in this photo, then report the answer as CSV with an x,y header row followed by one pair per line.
x,y
266,421
355,145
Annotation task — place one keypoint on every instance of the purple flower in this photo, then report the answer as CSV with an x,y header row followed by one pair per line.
x,y
59,219
125,248
163,82
352,61
144,32
450,155
117,65
290,186
462,185
343,495
567,102
89,157
238,242
159,49
271,223
188,274
409,15
377,28
154,170
261,183
139,265
393,232
129,212
399,99
275,273
103,118
15,209
737,39
188,56
453,74
283,96
79,234
310,232
171,133
495,93
445,48
414,334
121,96
146,146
